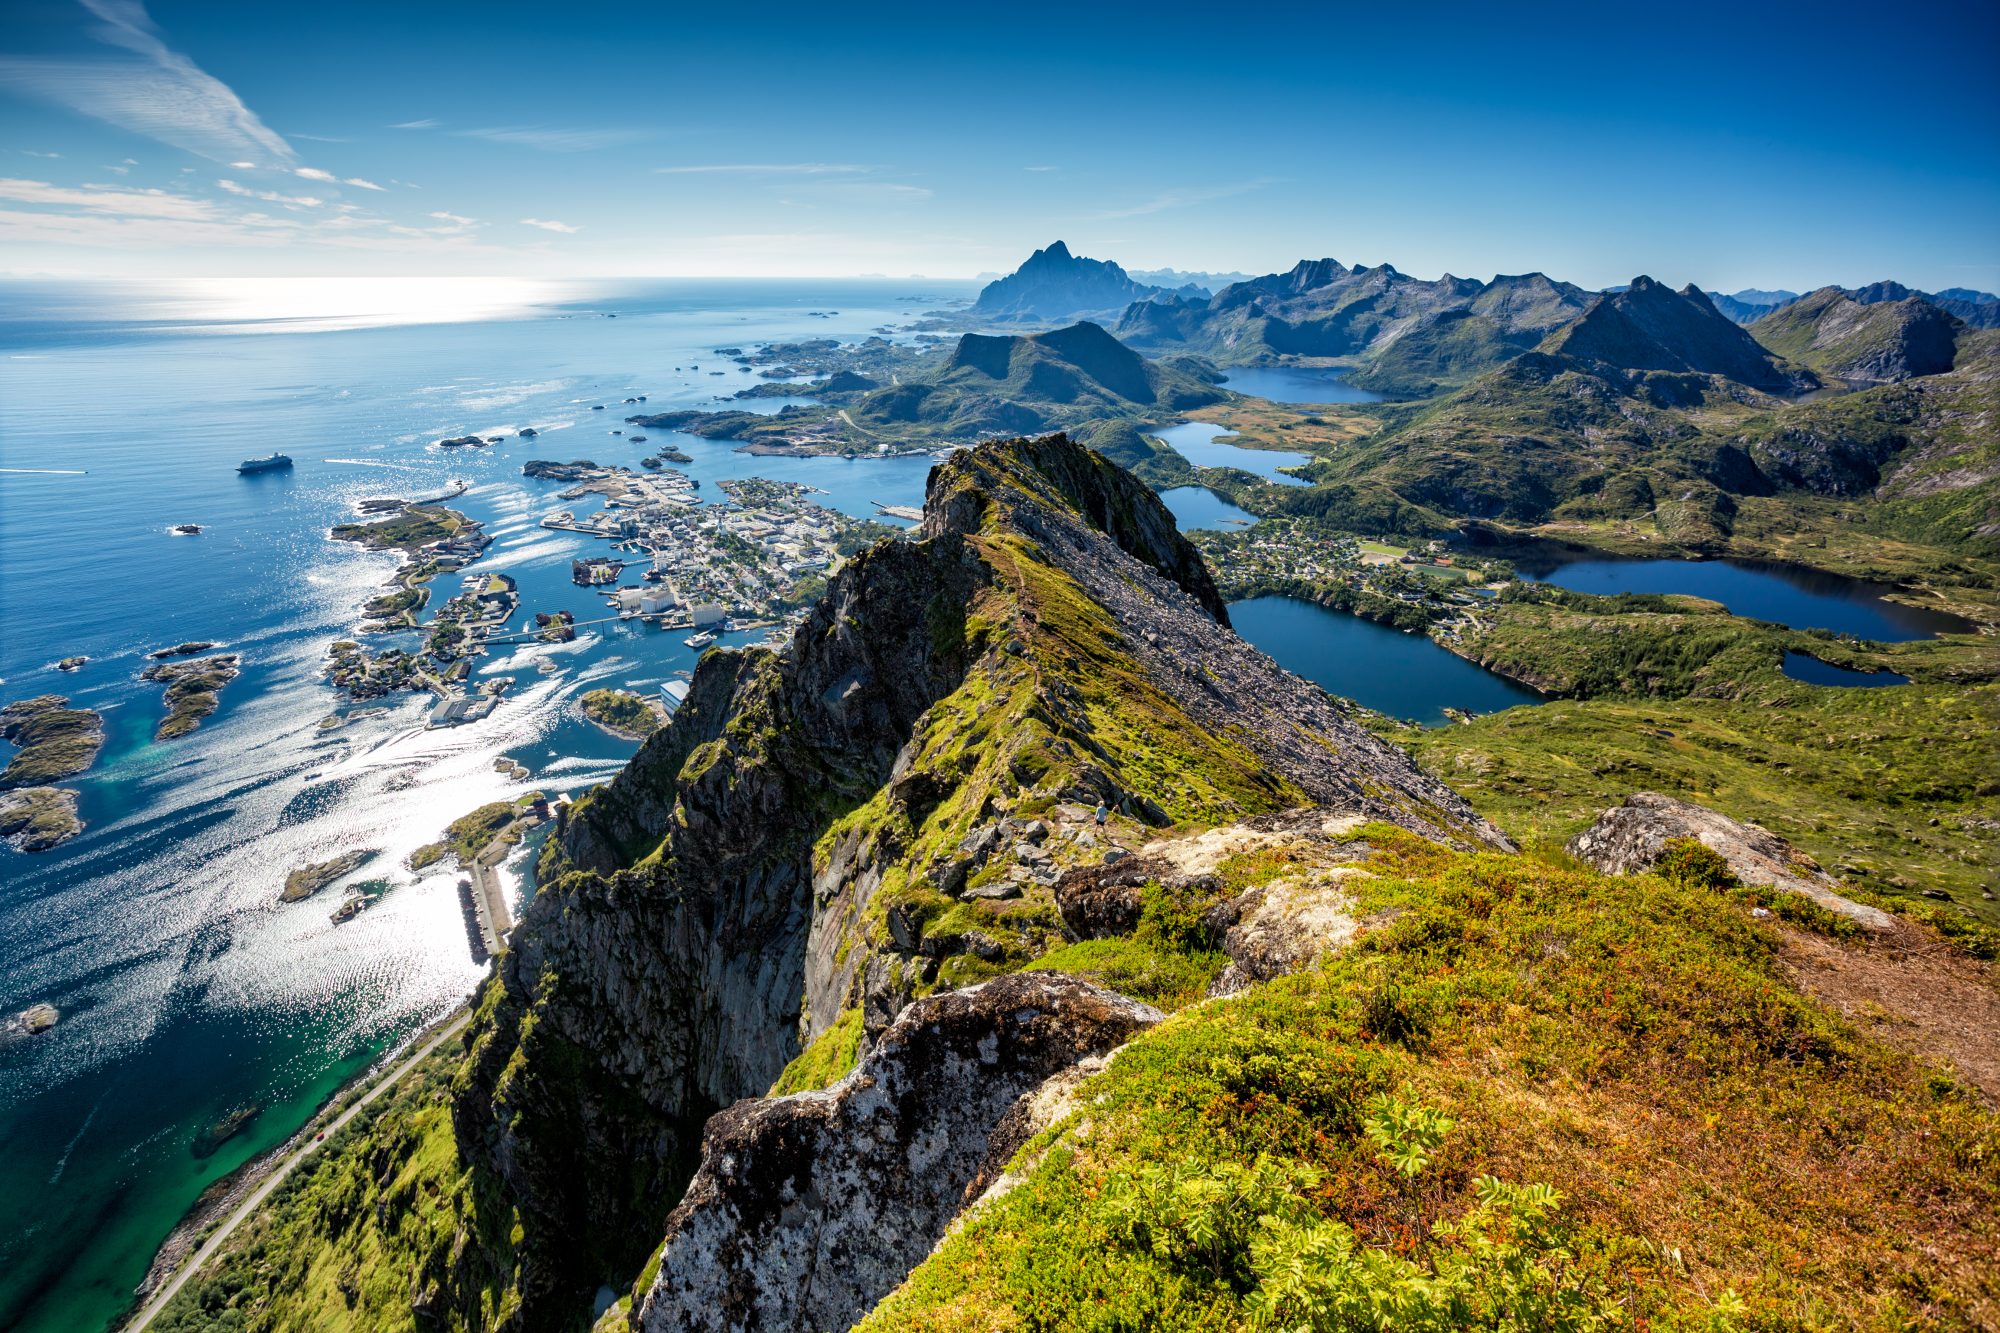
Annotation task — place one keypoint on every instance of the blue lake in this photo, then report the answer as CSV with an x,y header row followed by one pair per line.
x,y
1199,507
1783,594
1197,442
1805,667
186,988
1295,384
1403,675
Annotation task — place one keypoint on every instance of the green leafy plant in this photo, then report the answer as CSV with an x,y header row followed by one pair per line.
x,y
1406,1133
1691,864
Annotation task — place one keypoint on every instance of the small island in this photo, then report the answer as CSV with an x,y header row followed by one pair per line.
x,y
55,740
623,713
307,880
34,819
30,1022
71,663
188,649
194,690
471,833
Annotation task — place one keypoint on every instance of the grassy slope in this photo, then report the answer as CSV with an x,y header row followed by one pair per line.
x,y
362,1230
1726,1155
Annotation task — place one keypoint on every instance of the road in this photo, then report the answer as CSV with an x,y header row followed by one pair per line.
x,y
276,1177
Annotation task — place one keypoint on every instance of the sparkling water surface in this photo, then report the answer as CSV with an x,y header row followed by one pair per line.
x,y
187,989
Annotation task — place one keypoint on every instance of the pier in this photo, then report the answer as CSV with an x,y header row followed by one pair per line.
x,y
486,896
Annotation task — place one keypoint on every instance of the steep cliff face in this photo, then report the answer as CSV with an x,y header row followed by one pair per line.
x,y
832,827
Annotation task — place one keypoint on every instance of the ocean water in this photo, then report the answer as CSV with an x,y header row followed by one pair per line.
x,y
187,989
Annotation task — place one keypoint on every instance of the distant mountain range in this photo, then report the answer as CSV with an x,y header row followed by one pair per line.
x,y
1174,279
1056,285
1414,337
1403,335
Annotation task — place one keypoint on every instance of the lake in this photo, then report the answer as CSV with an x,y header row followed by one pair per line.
x,y
1199,507
1805,667
1403,675
1197,442
186,988
1295,384
1783,594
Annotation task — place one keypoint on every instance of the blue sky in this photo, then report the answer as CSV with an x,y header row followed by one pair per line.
x,y
1734,145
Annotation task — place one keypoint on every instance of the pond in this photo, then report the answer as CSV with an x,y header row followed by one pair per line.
x,y
1403,675
1295,384
1805,667
1196,441
1199,507
1788,595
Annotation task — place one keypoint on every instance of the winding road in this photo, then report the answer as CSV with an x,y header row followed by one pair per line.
x,y
278,1173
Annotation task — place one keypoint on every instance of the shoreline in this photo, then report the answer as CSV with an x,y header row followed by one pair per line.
x,y
236,1194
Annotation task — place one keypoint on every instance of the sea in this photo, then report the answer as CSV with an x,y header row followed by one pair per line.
x,y
189,994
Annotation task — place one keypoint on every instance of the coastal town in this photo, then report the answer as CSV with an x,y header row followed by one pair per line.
x,y
751,557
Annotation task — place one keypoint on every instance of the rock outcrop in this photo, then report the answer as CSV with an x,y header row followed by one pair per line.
x,y
808,1209
1632,837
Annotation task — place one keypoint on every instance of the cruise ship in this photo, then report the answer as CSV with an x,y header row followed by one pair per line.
x,y
275,463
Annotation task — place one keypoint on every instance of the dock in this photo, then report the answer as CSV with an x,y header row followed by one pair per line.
x,y
910,512
486,897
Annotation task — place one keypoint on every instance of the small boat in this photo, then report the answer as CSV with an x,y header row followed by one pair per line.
x,y
701,640
275,463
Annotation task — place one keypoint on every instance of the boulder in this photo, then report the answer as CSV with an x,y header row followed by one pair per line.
x,y
1100,901
1282,926
807,1210
1631,838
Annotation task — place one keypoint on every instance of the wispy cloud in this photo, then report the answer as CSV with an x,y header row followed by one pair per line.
x,y
270,196
327,177
550,224
107,199
877,191
416,125
555,140
455,219
1182,198
1038,168
764,169
320,138
161,94
32,153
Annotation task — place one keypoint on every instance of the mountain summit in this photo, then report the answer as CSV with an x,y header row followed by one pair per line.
x,y
1055,284
1649,326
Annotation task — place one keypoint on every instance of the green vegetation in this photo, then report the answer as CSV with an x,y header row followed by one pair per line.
x,y
418,525
827,1060
34,819
382,1228
623,712
1535,1098
194,690
469,834
1170,959
54,740
1890,789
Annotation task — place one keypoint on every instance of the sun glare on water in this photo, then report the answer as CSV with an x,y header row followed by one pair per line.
x,y
349,303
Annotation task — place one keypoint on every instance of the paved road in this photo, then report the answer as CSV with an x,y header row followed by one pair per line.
x,y
283,1169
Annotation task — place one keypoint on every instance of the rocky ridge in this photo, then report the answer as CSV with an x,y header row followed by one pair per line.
x,y
1047,636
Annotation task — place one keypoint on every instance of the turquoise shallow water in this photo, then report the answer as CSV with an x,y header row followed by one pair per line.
x,y
186,988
